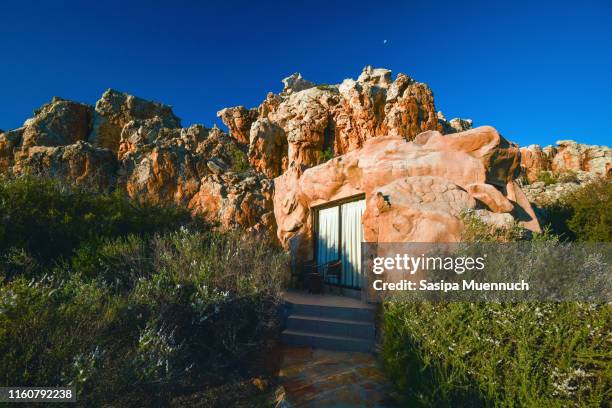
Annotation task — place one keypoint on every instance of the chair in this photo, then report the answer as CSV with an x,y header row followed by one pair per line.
x,y
301,272
333,270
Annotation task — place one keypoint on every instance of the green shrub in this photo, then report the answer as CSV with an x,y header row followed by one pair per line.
x,y
476,230
584,215
326,155
144,319
498,354
131,304
547,177
49,219
569,176
239,159
530,354
327,87
591,209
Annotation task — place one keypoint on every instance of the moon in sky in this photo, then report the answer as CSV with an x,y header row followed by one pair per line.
x,y
384,41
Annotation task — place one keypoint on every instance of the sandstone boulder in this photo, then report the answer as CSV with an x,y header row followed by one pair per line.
x,y
566,156
304,117
239,121
410,111
416,209
80,163
295,83
58,123
268,148
408,186
233,201
533,162
9,142
116,109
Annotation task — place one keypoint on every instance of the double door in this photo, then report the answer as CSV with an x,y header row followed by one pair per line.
x,y
339,234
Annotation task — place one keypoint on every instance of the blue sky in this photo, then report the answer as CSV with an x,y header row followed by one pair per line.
x,y
537,71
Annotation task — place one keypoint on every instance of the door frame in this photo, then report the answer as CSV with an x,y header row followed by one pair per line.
x,y
314,211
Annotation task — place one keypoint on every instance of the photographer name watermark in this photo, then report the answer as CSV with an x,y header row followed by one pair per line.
x,y
523,271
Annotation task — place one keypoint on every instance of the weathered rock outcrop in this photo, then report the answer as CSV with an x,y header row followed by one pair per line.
x,y
295,83
566,156
139,146
231,200
58,123
238,120
414,191
377,136
80,163
9,142
543,194
317,122
454,125
115,109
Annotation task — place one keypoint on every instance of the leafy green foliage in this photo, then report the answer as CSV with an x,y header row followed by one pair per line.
x,y
50,219
142,314
584,215
507,354
239,159
327,87
476,230
547,177
591,208
326,155
497,354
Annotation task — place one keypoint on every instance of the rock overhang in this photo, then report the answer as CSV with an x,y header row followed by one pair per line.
x,y
429,181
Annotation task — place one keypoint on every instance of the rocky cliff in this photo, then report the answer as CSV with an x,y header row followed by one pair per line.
x,y
567,156
229,178
139,146
307,123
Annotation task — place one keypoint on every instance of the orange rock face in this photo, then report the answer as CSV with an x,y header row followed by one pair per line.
x,y
566,156
58,123
115,109
415,191
138,146
80,162
377,136
238,120
317,122
230,201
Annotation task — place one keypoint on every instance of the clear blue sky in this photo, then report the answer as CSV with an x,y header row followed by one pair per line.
x,y
538,72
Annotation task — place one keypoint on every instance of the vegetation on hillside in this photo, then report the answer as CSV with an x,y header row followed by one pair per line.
x,y
532,354
129,303
584,215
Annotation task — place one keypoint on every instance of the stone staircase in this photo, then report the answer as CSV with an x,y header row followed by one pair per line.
x,y
329,323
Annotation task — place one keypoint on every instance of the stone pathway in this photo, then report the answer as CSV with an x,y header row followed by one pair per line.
x,y
314,378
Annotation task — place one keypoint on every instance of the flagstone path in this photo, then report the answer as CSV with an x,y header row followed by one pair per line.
x,y
314,378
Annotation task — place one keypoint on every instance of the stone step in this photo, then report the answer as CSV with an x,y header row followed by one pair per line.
x,y
326,341
332,326
362,314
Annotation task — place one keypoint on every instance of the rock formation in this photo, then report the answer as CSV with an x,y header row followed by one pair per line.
x,y
414,191
566,156
115,109
137,145
377,136
316,122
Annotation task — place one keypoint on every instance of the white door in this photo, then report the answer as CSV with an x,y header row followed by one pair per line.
x,y
352,237
339,236
327,237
